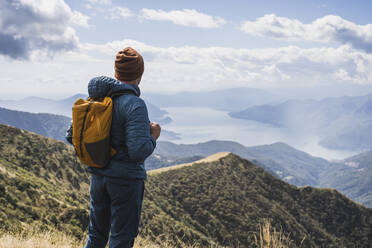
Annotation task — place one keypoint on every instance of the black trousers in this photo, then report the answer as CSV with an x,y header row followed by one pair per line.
x,y
115,206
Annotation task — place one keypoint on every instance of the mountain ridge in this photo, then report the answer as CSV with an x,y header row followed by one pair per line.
x,y
243,185
210,158
220,201
282,159
290,165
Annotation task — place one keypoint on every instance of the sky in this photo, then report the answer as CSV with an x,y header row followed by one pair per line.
x,y
52,48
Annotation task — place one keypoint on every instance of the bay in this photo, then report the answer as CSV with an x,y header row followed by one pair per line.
x,y
200,124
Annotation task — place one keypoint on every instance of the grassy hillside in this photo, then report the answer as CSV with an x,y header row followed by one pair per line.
x,y
41,184
223,201
266,237
214,202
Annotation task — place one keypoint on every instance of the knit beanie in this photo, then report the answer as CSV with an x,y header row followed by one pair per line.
x,y
128,65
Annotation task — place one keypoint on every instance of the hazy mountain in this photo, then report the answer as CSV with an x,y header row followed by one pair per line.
x,y
42,105
291,165
64,107
48,125
158,115
204,149
221,202
353,177
341,122
227,99
236,99
156,161
287,163
218,201
281,160
55,126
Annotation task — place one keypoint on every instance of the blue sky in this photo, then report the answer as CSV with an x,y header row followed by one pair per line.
x,y
163,34
51,48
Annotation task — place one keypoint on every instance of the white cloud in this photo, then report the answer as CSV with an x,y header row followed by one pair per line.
x,y
190,68
80,19
108,10
326,29
194,68
46,26
186,17
118,13
89,4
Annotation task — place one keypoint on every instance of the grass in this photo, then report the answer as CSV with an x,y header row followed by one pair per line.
x,y
38,240
57,240
32,239
268,237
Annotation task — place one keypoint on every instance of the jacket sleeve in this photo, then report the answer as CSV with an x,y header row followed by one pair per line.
x,y
69,134
139,142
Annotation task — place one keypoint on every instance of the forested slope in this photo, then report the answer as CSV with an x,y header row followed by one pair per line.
x,y
218,201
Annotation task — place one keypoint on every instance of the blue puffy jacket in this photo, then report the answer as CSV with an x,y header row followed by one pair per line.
x,y
130,129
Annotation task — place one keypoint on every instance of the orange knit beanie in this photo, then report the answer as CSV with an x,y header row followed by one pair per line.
x,y
128,65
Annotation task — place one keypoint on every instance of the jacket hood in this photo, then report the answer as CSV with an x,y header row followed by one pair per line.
x,y
104,86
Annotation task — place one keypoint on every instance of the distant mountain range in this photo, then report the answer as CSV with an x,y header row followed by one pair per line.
x,y
48,125
287,163
215,202
340,122
352,177
64,107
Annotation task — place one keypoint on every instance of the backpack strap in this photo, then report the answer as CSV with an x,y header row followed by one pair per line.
x,y
82,128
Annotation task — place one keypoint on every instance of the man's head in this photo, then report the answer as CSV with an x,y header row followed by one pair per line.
x,y
129,66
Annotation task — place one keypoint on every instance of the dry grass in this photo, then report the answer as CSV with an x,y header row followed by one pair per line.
x,y
58,240
270,237
38,240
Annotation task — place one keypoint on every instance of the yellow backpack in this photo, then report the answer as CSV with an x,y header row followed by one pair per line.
x,y
91,131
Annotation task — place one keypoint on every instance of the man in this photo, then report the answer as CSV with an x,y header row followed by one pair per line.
x,y
116,191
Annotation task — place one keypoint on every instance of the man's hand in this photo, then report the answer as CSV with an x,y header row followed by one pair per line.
x,y
155,130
